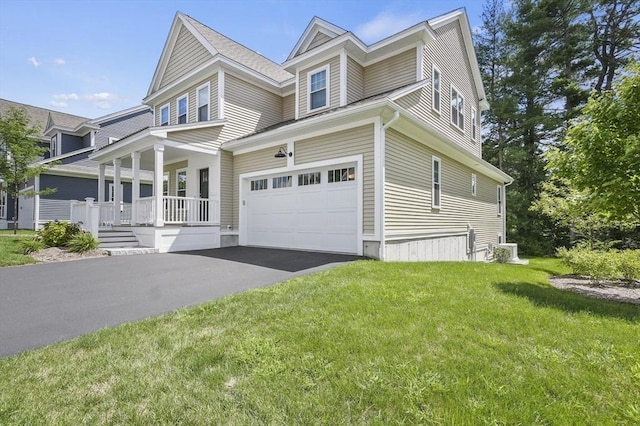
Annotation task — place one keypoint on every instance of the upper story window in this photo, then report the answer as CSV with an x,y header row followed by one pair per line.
x,y
435,99
203,102
164,115
436,176
53,146
474,124
474,185
457,109
182,108
499,199
318,93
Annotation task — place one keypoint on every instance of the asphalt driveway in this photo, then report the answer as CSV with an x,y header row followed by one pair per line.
x,y
47,303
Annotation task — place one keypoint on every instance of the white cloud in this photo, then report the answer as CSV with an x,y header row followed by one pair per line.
x,y
58,104
386,24
33,61
66,97
101,100
60,61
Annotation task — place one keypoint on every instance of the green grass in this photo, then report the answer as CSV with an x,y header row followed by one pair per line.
x,y
10,254
366,343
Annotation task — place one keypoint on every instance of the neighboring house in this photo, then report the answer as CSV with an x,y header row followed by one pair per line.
x,y
346,147
69,140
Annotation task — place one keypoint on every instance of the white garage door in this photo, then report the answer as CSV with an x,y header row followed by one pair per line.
x,y
315,209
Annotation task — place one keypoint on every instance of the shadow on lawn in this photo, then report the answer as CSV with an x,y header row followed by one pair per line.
x,y
547,296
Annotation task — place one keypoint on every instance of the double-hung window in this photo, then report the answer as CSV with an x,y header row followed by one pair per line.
x,y
457,109
182,107
436,179
164,115
181,183
499,199
203,103
435,99
474,184
165,183
53,146
318,85
474,124
3,203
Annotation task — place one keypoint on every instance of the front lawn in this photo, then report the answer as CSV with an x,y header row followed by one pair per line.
x,y
366,343
10,254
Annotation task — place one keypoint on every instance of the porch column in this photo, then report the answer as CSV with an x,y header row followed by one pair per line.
x,y
117,191
135,186
101,182
158,171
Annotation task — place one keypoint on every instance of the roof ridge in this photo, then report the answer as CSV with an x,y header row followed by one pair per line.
x,y
43,108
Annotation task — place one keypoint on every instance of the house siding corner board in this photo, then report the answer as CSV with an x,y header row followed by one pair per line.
x,y
187,54
262,159
355,80
390,73
226,190
192,116
408,194
334,86
448,53
248,108
345,143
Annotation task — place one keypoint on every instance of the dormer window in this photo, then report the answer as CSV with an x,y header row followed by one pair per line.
x,y
318,88
203,103
183,102
164,115
53,146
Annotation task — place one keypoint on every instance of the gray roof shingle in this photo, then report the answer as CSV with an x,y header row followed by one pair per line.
x,y
40,116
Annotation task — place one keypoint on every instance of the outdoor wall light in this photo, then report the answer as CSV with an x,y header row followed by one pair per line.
x,y
282,153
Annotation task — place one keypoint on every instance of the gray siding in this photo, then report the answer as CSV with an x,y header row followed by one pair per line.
x,y
226,190
390,73
187,54
123,126
251,162
192,107
70,143
341,144
334,86
408,193
355,80
248,108
448,53
289,107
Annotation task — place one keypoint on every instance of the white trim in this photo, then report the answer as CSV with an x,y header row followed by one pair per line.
x,y
166,173
474,184
67,155
435,69
358,159
434,160
458,96
54,145
474,124
122,113
343,78
198,89
317,24
162,108
327,88
186,182
499,199
418,235
221,78
112,140
185,96
419,60
36,202
378,181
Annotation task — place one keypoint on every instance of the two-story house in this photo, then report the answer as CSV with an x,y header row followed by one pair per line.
x,y
73,176
346,147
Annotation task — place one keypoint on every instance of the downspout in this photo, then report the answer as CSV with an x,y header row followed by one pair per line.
x,y
383,138
504,220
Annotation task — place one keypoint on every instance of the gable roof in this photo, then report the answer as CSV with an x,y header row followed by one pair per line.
x,y
44,118
219,46
316,27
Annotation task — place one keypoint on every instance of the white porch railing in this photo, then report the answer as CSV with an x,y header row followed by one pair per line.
x,y
179,210
86,214
107,213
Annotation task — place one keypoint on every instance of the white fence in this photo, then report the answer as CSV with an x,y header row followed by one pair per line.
x,y
86,214
179,210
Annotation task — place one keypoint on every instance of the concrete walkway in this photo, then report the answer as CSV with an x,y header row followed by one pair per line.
x,y
47,303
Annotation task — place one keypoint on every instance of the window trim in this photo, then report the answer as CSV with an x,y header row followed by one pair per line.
x,y
474,184
168,180
178,171
434,70
186,114
499,198
168,108
460,114
208,86
3,202
327,87
474,124
435,160
53,146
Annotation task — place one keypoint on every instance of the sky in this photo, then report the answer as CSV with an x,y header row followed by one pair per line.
x,y
95,57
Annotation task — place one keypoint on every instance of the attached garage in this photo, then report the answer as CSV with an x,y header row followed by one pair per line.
x,y
308,209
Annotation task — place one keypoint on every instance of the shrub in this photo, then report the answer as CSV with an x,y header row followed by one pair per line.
x,y
630,264
83,241
31,245
58,234
501,254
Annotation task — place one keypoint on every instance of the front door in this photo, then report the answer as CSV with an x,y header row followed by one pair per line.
x,y
204,194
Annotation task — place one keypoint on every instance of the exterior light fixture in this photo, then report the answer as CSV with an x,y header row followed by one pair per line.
x,y
282,153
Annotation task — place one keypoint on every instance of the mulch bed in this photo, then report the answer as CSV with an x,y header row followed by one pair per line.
x,y
618,291
56,254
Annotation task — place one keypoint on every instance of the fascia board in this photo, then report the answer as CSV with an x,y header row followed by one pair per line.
x,y
123,113
122,146
164,56
67,155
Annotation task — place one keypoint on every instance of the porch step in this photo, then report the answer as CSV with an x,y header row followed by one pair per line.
x,y
122,251
117,239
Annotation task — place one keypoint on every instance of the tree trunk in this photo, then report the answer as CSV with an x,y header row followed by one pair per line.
x,y
15,211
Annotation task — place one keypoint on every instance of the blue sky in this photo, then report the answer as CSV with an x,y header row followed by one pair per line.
x,y
95,57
